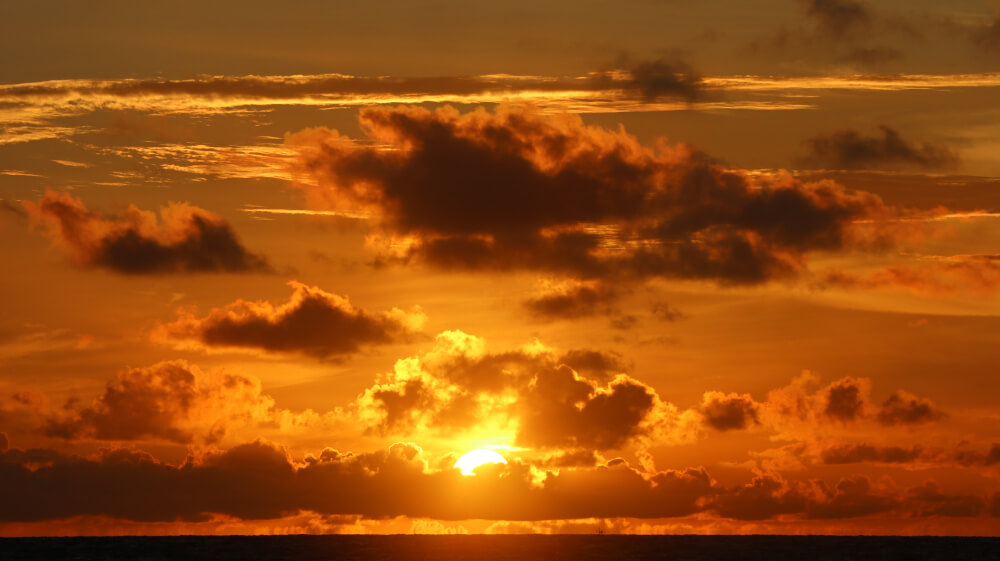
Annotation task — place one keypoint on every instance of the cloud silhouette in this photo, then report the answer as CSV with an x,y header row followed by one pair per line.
x,y
312,322
517,190
850,149
259,480
902,408
729,411
187,239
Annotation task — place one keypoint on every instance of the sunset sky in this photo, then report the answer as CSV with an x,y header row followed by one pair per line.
x,y
717,267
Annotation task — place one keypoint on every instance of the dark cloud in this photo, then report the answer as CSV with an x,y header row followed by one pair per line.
x,y
665,312
729,411
517,190
560,410
187,240
850,497
313,322
599,365
902,408
853,453
653,79
856,453
171,401
988,37
838,18
850,149
764,497
573,301
845,400
4,442
927,499
260,481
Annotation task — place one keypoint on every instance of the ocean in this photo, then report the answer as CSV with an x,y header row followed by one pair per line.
x,y
496,548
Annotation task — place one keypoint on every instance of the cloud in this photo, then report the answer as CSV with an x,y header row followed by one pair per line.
x,y
850,149
572,300
313,322
259,480
560,410
902,408
516,190
850,497
838,18
766,496
533,395
988,37
855,453
914,455
665,312
598,365
971,458
798,409
576,458
964,274
632,80
172,401
653,79
584,400
927,499
186,239
845,399
729,411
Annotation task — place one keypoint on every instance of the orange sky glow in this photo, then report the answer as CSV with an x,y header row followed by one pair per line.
x,y
640,268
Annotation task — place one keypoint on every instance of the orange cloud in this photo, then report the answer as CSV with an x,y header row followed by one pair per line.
x,y
312,322
172,401
975,274
187,240
532,395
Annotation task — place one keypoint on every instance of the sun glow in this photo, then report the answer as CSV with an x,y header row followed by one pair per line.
x,y
471,460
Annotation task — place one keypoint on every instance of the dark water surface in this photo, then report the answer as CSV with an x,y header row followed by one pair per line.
x,y
516,548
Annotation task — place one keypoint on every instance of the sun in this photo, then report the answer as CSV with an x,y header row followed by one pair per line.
x,y
471,460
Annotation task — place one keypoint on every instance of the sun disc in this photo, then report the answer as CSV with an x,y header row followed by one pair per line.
x,y
471,460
